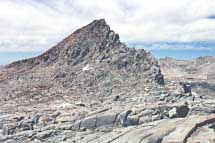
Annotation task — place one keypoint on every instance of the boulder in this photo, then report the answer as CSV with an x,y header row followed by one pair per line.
x,y
132,120
186,88
179,111
106,120
182,111
89,122
123,118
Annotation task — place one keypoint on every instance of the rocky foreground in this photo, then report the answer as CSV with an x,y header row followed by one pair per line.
x,y
92,88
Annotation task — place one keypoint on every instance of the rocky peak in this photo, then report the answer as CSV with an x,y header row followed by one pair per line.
x,y
99,27
93,57
92,38
89,41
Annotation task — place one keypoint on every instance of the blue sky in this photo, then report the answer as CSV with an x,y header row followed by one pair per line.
x,y
33,26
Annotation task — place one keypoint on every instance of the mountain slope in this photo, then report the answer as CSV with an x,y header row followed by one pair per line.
x,y
92,60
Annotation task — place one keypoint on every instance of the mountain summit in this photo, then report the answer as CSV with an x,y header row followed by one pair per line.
x,y
92,60
93,37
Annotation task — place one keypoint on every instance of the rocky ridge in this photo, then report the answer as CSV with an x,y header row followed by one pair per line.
x,y
92,88
91,60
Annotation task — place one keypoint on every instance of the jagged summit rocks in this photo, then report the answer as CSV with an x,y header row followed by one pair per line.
x,y
91,38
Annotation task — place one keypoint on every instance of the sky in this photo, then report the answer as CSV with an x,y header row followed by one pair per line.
x,y
32,26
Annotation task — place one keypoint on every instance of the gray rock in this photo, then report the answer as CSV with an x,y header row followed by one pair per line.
x,y
106,120
132,120
122,118
147,112
77,125
156,117
182,111
24,126
179,111
9,129
116,98
89,122
144,119
173,113
187,88
44,134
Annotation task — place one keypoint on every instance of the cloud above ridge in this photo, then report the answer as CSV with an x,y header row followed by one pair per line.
x,y
36,25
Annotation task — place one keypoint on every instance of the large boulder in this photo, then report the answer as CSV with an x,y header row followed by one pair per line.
x,y
179,111
182,111
106,120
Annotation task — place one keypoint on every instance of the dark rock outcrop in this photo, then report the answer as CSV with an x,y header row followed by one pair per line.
x,y
186,88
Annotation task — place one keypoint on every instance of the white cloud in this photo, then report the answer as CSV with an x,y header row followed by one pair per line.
x,y
174,46
34,25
